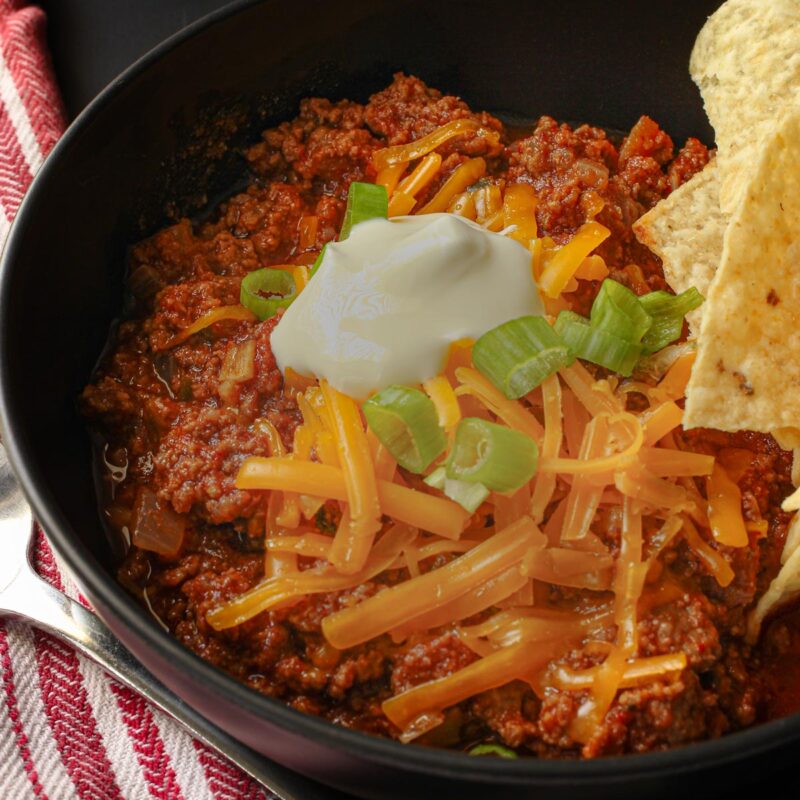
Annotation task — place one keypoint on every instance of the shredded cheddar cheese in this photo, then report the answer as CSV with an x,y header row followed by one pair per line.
x,y
615,489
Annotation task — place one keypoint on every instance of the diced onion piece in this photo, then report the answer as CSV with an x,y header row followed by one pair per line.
x,y
566,261
597,345
468,495
239,364
725,509
403,153
352,544
389,177
667,312
469,172
424,511
498,457
156,526
280,589
405,421
398,604
519,354
218,314
365,201
267,281
519,210
511,412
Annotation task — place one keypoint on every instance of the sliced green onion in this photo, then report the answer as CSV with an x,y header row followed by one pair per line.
x,y
407,425
597,345
667,311
437,478
519,354
498,457
618,311
493,750
276,282
364,201
317,262
468,495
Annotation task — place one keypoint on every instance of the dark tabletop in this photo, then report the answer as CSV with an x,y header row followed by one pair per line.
x,y
92,41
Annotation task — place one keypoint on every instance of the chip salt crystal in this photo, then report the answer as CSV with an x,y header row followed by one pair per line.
x,y
387,302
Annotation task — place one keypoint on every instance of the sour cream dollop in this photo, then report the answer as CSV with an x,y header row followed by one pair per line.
x,y
386,303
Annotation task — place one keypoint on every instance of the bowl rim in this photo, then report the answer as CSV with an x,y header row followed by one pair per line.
x,y
101,584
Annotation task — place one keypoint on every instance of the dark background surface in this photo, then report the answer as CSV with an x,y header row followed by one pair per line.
x,y
92,41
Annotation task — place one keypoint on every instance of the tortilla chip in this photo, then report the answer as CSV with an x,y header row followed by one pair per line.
x,y
747,373
786,585
746,61
685,231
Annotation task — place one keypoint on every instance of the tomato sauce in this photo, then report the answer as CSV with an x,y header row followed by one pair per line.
x,y
172,427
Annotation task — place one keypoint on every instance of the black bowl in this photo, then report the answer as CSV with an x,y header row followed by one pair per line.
x,y
147,149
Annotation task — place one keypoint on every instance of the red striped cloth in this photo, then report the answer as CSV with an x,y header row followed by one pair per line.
x,y
66,729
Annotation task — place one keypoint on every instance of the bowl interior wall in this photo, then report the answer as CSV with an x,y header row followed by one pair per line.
x,y
153,151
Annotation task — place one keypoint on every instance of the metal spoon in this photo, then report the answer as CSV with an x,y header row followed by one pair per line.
x,y
25,596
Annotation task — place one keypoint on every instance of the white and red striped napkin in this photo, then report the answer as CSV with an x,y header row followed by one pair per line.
x,y
66,729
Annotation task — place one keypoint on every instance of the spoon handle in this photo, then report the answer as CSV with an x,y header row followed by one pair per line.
x,y
24,596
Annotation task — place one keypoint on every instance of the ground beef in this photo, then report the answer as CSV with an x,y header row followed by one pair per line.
x,y
170,424
254,229
654,717
408,109
569,169
692,157
684,626
327,143
198,459
425,660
